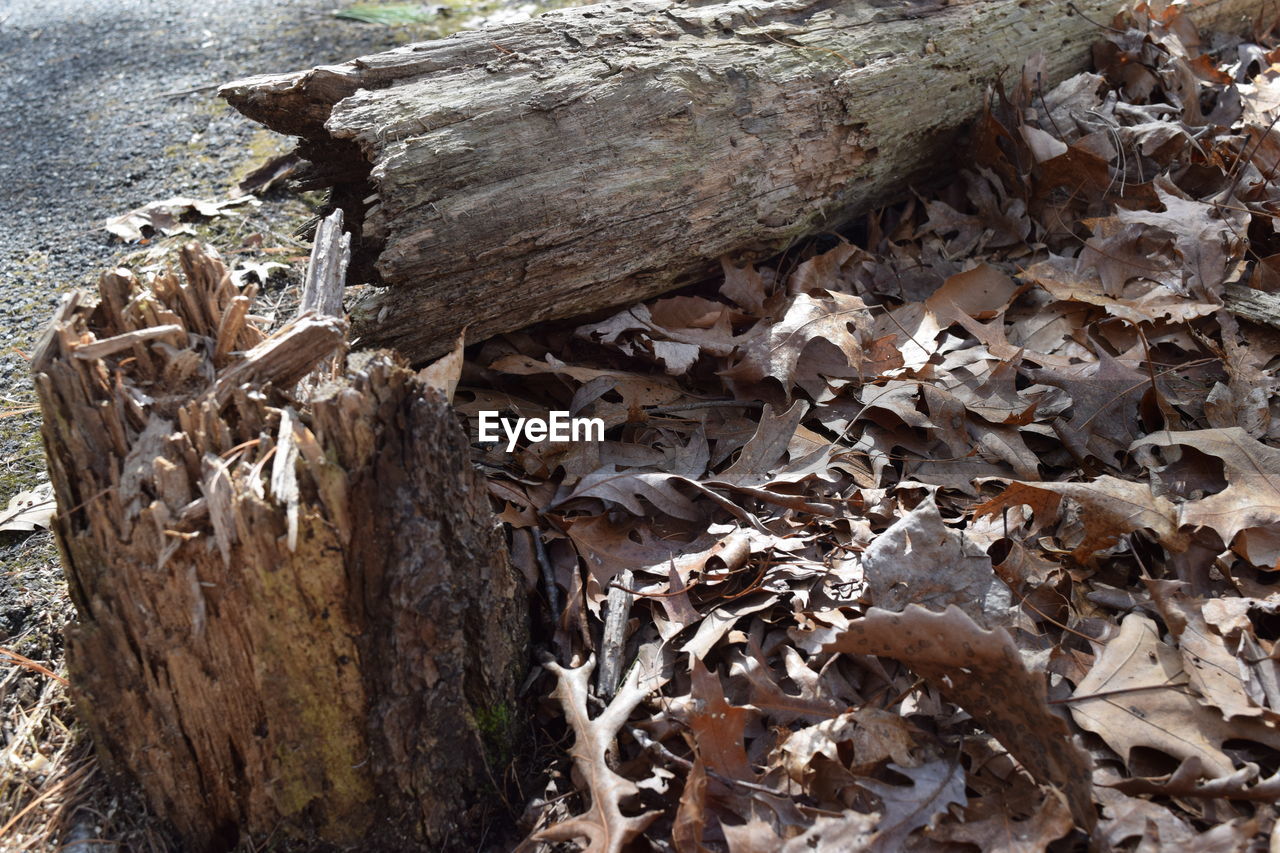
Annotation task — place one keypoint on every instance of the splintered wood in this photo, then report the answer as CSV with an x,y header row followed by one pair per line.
x,y
294,604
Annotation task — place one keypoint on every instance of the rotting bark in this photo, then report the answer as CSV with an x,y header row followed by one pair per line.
x,y
601,155
1253,305
296,613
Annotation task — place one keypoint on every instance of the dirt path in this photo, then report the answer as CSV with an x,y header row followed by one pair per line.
x,y
106,105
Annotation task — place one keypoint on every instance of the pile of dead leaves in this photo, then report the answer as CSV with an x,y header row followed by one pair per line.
x,y
960,536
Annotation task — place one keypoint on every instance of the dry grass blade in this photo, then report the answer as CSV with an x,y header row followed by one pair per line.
x,y
11,656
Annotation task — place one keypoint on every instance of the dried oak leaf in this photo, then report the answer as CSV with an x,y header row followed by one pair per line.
x,y
919,560
609,546
758,835
1188,781
850,831
718,727
673,331
1158,828
1251,499
746,287
659,489
1104,405
1140,300
1215,674
604,825
627,487
765,449
774,349
983,673
873,734
934,787
991,826
165,217
1207,236
820,697
636,390
691,815
443,373
1135,696
981,293
1111,508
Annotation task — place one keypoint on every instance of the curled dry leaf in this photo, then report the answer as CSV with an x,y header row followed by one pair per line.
x,y
717,726
691,817
774,349
443,373
919,560
1140,301
636,389
1158,828
873,735
982,672
1112,508
852,830
165,217
1205,235
30,509
1189,781
1104,412
1215,674
996,828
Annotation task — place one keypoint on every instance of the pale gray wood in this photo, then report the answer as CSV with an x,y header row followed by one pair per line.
x,y
613,642
1254,305
601,155
326,275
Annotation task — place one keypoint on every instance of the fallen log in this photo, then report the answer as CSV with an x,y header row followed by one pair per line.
x,y
296,616
601,155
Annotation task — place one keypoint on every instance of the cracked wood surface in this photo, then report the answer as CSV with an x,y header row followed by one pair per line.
x,y
296,616
601,155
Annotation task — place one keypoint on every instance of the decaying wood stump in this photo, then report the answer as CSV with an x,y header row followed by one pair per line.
x,y
296,613
601,155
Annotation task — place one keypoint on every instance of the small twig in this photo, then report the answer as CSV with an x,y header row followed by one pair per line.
x,y
1072,7
548,576
649,743
1120,691
614,641
181,93
705,404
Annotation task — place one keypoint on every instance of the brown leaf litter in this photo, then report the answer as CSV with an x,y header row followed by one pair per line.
x,y
962,535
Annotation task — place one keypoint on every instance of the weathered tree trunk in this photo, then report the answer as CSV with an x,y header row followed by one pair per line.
x,y
600,155
296,614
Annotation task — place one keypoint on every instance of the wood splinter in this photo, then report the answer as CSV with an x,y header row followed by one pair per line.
x,y
293,601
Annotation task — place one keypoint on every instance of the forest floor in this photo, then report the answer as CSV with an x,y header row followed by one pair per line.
x,y
106,106
955,531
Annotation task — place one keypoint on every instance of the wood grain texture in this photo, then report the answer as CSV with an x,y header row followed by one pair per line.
x,y
601,155
296,617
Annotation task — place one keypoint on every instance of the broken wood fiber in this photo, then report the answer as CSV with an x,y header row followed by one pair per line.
x,y
601,155
295,611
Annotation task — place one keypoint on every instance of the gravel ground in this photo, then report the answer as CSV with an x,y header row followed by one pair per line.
x,y
90,127
106,105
